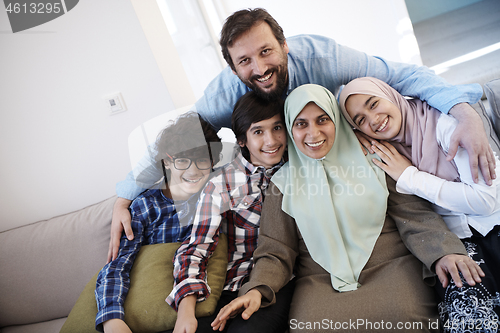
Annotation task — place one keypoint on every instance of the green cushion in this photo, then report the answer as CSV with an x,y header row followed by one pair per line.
x,y
151,281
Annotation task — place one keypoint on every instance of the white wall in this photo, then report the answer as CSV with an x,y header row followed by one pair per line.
x,y
60,150
380,28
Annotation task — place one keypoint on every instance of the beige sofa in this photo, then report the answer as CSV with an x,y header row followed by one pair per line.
x,y
44,266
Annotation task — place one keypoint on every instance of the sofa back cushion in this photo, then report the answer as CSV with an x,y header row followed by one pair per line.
x,y
44,266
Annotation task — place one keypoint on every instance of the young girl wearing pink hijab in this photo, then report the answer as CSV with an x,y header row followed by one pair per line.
x,y
415,158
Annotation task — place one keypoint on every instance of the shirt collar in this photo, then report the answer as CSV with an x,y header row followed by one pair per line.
x,y
251,169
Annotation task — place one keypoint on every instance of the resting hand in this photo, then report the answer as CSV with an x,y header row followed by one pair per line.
x,y
364,141
186,325
119,222
186,321
250,302
116,326
452,264
393,162
471,135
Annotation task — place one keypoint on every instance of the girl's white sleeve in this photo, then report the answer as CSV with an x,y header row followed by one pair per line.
x,y
466,196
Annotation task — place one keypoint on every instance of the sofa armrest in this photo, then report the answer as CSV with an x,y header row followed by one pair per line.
x,y
45,265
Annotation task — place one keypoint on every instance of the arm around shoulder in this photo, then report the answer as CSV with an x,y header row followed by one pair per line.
x,y
120,221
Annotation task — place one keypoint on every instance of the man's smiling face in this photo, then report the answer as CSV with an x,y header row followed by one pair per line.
x,y
260,61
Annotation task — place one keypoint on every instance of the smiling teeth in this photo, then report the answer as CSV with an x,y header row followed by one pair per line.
x,y
315,144
265,78
191,180
271,151
382,125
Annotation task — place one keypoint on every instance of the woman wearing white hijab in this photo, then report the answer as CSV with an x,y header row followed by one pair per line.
x,y
324,220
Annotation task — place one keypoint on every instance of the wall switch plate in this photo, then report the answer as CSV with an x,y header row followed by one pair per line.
x,y
115,103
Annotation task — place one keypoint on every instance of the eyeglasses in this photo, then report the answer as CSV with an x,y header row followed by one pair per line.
x,y
183,163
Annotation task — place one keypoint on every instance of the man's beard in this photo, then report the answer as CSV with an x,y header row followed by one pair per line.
x,y
281,82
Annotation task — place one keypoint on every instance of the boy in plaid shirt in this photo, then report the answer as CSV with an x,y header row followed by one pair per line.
x,y
231,203
160,215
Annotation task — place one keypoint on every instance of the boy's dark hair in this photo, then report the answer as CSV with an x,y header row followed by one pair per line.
x,y
181,138
251,109
240,22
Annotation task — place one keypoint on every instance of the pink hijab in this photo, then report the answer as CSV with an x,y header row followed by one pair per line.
x,y
417,138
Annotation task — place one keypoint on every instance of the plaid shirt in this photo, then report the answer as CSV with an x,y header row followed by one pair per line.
x,y
231,203
155,220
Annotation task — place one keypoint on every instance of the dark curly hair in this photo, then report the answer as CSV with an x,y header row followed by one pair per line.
x,y
181,138
240,22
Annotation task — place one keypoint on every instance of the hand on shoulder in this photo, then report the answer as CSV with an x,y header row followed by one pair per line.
x,y
471,135
120,221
